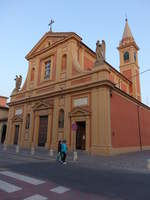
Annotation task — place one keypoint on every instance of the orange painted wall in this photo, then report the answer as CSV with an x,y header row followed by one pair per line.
x,y
88,64
130,123
124,122
144,116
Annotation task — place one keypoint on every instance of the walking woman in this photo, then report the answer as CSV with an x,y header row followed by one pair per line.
x,y
64,151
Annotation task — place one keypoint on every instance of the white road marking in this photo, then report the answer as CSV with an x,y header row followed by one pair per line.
x,y
7,187
36,197
23,178
60,189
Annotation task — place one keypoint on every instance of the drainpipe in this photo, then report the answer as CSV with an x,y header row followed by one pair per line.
x,y
139,127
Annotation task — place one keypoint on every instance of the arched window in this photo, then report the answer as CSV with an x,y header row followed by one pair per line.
x,y
64,62
61,119
32,74
28,121
126,56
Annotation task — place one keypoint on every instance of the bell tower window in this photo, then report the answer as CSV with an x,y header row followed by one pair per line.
x,y
126,56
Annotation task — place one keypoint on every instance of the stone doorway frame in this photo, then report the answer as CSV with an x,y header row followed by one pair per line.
x,y
41,109
17,120
76,115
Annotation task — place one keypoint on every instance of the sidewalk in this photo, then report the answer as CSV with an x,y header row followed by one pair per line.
x,y
40,153
134,162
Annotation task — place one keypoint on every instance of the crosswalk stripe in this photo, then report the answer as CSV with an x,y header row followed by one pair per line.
x,y
23,178
7,187
36,197
60,189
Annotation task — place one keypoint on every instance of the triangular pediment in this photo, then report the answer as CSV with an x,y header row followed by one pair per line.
x,y
45,43
17,118
48,41
41,105
79,111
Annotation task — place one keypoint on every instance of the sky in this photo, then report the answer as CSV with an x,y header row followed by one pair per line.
x,y
24,22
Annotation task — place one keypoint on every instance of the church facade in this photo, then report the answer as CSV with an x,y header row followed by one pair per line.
x,y
72,93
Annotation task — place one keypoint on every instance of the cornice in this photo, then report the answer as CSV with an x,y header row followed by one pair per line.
x,y
74,89
86,73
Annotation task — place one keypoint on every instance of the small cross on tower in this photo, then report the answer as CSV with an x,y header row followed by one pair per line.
x,y
50,24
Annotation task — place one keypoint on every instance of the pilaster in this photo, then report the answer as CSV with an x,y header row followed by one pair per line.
x,y
55,124
36,130
101,126
49,132
22,129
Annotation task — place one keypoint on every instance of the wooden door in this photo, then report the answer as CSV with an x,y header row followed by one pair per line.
x,y
80,135
43,130
16,134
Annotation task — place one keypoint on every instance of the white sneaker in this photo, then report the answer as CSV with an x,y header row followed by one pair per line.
x,y
64,163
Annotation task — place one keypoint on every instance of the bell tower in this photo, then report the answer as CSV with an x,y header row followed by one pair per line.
x,y
128,51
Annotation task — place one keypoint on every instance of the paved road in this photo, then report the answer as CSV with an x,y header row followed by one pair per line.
x,y
69,182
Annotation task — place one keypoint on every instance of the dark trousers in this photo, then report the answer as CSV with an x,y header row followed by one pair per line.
x,y
63,156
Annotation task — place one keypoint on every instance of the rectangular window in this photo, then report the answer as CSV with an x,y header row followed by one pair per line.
x,y
47,69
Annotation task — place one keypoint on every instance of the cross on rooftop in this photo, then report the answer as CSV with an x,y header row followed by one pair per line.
x,y
50,24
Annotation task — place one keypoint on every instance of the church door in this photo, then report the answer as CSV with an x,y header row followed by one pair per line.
x,y
80,135
16,134
43,130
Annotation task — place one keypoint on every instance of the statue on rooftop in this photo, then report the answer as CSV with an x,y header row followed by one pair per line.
x,y
100,52
18,80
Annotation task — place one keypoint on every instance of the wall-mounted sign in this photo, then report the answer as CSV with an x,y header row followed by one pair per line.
x,y
18,112
81,102
74,126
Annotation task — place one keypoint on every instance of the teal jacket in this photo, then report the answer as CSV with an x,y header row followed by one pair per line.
x,y
64,148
